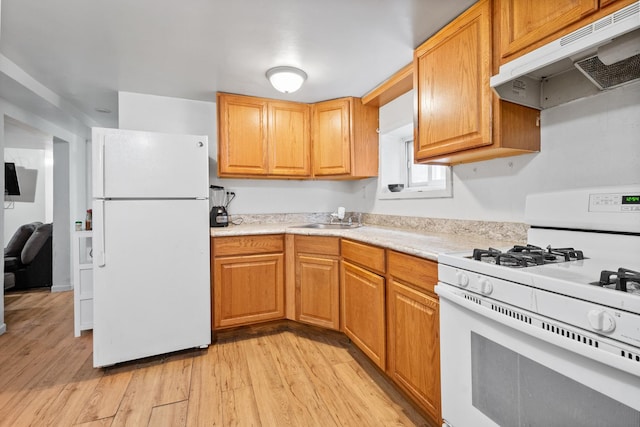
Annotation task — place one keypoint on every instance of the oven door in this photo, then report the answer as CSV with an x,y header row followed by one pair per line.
x,y
494,373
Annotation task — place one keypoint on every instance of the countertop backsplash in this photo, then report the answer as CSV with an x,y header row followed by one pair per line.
x,y
507,231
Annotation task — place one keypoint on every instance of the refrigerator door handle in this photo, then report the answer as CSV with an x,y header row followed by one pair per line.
x,y
101,249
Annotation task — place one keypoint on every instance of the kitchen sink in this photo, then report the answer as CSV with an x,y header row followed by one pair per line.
x,y
329,226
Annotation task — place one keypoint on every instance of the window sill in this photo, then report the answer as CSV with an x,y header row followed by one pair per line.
x,y
436,193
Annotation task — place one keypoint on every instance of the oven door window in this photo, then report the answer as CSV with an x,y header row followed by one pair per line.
x,y
513,390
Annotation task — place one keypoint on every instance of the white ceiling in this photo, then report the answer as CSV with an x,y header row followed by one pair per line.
x,y
88,50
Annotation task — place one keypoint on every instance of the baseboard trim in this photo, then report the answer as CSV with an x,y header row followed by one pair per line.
x,y
61,288
3,328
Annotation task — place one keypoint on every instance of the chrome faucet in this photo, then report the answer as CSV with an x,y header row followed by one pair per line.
x,y
339,218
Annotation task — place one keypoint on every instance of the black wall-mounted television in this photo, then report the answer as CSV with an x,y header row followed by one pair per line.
x,y
11,187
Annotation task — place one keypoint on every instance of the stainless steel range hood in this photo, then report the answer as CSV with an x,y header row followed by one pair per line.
x,y
599,56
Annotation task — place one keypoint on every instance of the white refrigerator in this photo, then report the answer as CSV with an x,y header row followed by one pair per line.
x,y
150,244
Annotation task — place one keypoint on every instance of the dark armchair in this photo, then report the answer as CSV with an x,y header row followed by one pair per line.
x,y
32,265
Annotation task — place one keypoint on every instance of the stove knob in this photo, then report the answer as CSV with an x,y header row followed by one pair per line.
x,y
601,321
462,278
485,286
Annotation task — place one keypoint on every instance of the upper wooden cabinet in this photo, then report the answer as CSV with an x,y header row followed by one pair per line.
x,y
262,137
242,135
345,139
459,119
289,143
528,24
266,138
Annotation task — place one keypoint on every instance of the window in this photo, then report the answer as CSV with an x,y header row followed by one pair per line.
x,y
397,167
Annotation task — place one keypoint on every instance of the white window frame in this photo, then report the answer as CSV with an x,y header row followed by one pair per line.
x,y
439,188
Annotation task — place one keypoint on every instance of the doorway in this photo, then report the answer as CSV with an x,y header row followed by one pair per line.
x,y
42,165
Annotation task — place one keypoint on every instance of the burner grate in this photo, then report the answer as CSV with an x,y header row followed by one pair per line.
x,y
527,255
624,280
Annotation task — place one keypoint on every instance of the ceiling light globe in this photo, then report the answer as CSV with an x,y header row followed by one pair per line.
x,y
286,79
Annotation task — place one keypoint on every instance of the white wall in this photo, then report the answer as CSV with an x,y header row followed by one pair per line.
x,y
174,115
61,274
594,141
38,162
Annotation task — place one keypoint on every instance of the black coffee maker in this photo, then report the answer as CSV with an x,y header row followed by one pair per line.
x,y
220,198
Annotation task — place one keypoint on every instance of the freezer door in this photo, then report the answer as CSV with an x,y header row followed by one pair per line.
x,y
151,278
133,164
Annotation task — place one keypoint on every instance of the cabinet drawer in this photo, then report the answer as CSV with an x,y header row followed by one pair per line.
x,y
370,257
419,272
317,245
244,245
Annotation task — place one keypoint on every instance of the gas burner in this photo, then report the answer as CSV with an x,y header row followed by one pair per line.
x,y
624,280
569,254
485,254
526,255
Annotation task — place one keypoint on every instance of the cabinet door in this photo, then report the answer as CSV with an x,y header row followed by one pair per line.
x,y
414,345
526,22
317,291
289,139
248,289
332,137
363,311
242,135
452,75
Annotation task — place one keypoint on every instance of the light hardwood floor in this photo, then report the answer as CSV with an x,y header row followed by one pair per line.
x,y
279,376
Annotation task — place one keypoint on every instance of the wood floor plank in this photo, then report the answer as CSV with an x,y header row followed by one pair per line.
x,y
343,407
369,372
105,399
205,395
175,378
103,422
232,369
277,375
306,404
273,406
45,341
290,363
262,365
170,415
29,403
381,409
335,347
67,406
138,400
239,408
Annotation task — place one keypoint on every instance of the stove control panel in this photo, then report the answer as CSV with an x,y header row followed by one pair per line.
x,y
614,202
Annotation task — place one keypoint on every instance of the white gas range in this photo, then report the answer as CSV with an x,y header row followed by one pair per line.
x,y
537,336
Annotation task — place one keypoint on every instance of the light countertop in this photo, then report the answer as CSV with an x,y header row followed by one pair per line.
x,y
422,244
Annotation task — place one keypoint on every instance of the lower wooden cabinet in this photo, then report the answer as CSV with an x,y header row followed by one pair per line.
x,y
413,346
363,303
318,281
248,280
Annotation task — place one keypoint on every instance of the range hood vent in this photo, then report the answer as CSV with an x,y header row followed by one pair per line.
x,y
610,76
602,55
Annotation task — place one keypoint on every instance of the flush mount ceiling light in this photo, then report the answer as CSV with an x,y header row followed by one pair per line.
x,y
286,79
